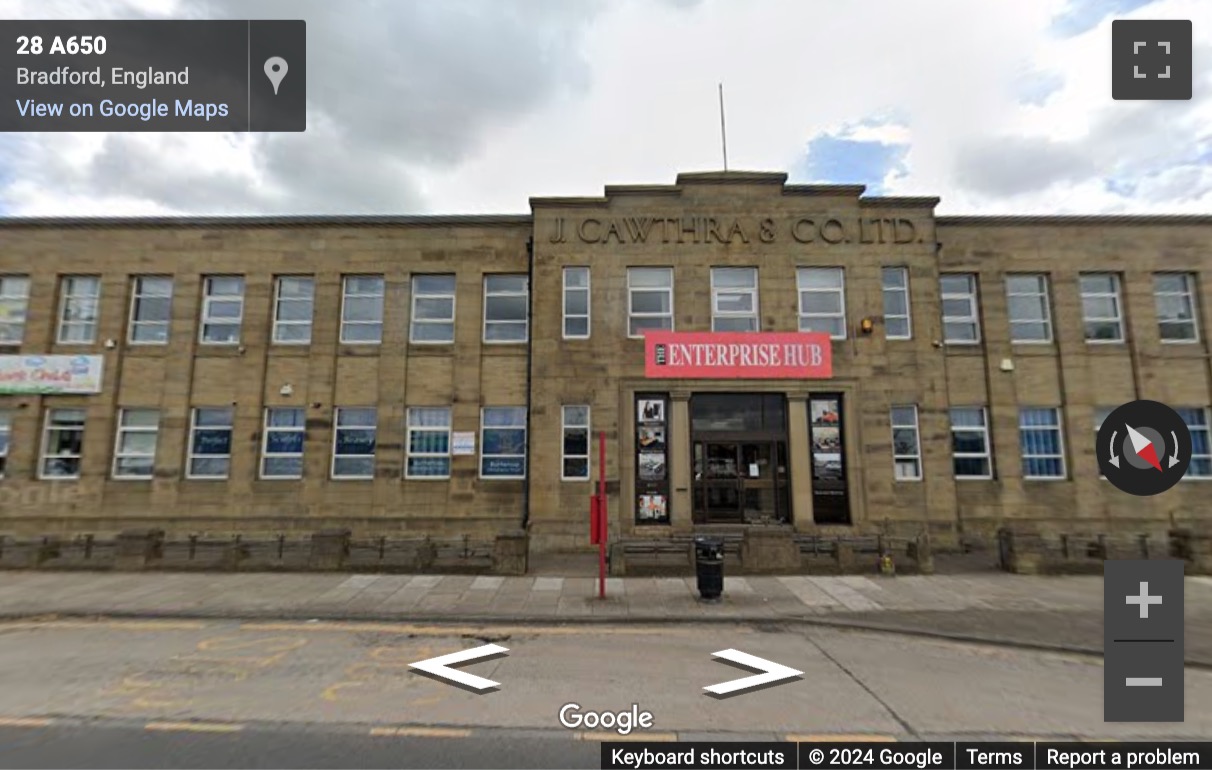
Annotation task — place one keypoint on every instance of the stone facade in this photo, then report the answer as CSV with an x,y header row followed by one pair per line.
x,y
704,221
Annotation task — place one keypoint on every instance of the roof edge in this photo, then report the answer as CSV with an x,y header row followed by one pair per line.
x,y
732,177
995,220
826,190
899,201
387,220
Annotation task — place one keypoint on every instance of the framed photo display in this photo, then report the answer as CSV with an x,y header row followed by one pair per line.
x,y
651,461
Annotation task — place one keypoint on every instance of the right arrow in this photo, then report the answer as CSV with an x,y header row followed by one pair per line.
x,y
771,673
440,666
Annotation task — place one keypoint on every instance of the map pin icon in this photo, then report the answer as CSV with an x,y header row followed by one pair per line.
x,y
275,70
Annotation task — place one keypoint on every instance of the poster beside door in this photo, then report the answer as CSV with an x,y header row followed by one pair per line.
x,y
652,463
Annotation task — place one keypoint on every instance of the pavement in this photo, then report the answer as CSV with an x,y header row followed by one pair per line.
x,y
1063,614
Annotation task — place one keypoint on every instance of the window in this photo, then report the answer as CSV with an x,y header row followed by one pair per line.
x,y
1101,413
734,299
576,303
222,309
1201,448
906,445
14,303
897,322
135,446
649,299
62,443
961,316
970,443
282,443
294,303
1041,444
210,434
151,307
78,309
6,433
1102,308
506,308
1028,308
1175,296
428,443
353,454
822,300
576,443
503,442
433,309
362,310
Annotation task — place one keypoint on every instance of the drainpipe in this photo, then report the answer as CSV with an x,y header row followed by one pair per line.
x,y
529,377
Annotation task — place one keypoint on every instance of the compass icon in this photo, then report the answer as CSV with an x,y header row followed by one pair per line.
x,y
1144,448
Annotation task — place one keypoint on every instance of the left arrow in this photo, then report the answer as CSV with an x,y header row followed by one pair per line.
x,y
441,666
772,673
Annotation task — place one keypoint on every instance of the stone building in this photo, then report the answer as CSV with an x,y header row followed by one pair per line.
x,y
754,352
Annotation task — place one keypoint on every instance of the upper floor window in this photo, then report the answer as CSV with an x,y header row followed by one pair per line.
x,y
576,303
1102,308
62,444
734,299
433,309
649,299
428,443
506,308
6,429
135,444
961,313
151,310
1028,308
1176,307
822,300
222,309
294,304
362,309
14,303
898,324
78,309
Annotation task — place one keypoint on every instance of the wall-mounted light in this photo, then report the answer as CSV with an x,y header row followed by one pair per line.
x,y
866,326
286,390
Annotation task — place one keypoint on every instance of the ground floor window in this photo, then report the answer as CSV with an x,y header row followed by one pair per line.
x,y
906,444
62,444
1201,448
428,443
1041,443
503,442
353,455
575,445
6,429
210,443
135,446
282,443
970,443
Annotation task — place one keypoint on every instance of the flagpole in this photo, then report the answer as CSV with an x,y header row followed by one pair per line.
x,y
723,132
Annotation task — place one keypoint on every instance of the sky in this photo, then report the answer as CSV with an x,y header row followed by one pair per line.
x,y
474,106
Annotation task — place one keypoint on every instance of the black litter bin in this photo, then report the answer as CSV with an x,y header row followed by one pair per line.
x,y
709,566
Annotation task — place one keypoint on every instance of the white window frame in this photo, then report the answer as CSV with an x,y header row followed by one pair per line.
x,y
633,315
840,290
139,292
208,299
346,296
983,428
564,427
972,296
1207,428
1189,292
569,290
68,297
336,432
189,447
903,289
279,300
1115,295
916,457
11,298
122,430
512,323
267,428
1060,442
47,430
410,429
6,438
525,443
412,316
752,292
1044,295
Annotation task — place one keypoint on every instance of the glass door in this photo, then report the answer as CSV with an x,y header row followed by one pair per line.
x,y
717,482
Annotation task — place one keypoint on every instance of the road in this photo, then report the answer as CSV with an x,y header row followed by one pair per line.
x,y
296,694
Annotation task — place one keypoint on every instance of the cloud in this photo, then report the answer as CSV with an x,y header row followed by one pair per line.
x,y
867,153
1081,16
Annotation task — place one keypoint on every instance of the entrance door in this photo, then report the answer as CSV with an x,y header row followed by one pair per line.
x,y
740,482
717,482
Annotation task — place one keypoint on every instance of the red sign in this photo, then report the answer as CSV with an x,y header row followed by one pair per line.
x,y
738,355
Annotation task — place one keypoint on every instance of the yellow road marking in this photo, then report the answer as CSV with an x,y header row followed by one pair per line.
x,y
635,736
421,732
194,727
841,738
25,722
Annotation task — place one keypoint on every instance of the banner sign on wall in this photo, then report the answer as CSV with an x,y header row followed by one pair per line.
x,y
738,355
463,443
50,374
